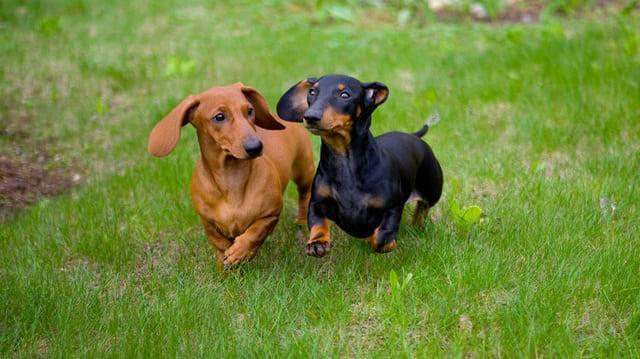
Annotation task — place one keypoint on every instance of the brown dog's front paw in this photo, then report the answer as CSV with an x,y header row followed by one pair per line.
x,y
317,249
236,255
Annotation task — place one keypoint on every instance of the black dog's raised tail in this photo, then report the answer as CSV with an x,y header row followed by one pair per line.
x,y
430,122
423,131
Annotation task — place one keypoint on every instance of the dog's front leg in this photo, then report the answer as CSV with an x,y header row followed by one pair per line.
x,y
319,242
217,240
383,239
245,245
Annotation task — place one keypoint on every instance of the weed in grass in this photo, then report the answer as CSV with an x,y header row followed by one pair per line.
x,y
180,67
466,216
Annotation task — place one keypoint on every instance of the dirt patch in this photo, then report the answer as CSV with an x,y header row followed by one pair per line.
x,y
29,169
23,182
365,330
513,11
159,256
524,13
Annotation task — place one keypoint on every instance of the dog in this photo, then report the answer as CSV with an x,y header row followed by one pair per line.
x,y
362,183
236,191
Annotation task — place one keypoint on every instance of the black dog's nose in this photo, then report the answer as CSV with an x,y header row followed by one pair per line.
x,y
253,147
311,118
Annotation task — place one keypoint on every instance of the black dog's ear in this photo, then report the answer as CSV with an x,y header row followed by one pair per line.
x,y
375,93
293,103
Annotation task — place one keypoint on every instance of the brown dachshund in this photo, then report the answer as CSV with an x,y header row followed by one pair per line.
x,y
237,192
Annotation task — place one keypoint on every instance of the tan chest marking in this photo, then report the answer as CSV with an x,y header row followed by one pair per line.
x,y
324,191
376,201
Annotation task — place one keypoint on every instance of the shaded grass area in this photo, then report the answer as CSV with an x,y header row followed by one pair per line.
x,y
539,123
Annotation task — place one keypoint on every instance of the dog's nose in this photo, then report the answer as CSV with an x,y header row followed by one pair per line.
x,y
312,117
253,147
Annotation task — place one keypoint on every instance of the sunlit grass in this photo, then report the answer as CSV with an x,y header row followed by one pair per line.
x,y
539,125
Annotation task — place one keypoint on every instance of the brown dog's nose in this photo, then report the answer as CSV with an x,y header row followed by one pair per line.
x,y
253,147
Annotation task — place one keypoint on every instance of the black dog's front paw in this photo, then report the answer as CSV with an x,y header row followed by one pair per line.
x,y
380,245
317,249
385,248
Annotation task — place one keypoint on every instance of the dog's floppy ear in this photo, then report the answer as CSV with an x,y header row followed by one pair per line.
x,y
264,117
165,135
293,103
375,93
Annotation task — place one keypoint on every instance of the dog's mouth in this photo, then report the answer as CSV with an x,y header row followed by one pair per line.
x,y
322,131
246,157
251,156
314,129
241,155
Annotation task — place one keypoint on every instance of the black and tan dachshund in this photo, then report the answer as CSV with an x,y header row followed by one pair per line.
x,y
362,183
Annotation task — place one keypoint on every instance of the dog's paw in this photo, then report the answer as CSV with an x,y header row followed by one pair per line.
x,y
317,249
236,255
385,248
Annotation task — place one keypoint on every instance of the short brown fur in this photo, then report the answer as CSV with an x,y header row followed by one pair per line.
x,y
239,199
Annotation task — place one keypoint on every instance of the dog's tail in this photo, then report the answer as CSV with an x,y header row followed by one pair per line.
x,y
430,122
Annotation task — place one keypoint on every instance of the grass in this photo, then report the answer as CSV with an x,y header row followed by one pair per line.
x,y
539,125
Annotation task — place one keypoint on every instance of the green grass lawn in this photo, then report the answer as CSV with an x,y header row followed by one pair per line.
x,y
540,126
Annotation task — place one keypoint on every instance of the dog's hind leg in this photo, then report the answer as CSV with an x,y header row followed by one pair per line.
x,y
421,211
429,180
428,186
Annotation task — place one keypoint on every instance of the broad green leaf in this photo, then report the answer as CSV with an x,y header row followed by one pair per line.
x,y
172,67
393,280
455,188
406,280
187,67
455,207
101,108
472,214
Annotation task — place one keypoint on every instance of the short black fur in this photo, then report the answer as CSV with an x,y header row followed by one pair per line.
x,y
363,184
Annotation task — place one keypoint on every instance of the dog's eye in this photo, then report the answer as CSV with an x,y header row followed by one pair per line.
x,y
219,117
344,94
313,92
250,111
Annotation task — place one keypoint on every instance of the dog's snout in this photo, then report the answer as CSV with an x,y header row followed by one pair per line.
x,y
312,117
253,147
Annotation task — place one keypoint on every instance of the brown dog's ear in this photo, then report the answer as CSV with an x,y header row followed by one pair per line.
x,y
264,117
375,93
293,103
165,135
